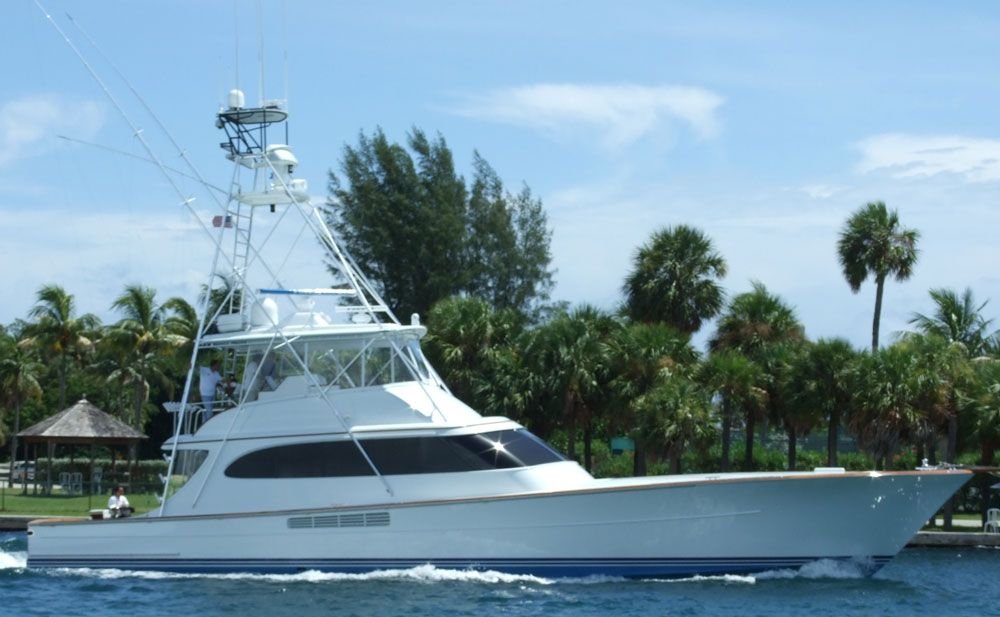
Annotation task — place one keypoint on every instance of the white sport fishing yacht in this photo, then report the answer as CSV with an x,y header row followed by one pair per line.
x,y
340,449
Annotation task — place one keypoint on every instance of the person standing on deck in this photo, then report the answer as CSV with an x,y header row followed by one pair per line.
x,y
208,382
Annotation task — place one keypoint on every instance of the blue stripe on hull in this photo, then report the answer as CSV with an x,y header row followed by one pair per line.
x,y
553,568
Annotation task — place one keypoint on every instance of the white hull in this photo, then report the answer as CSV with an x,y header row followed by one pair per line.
x,y
679,526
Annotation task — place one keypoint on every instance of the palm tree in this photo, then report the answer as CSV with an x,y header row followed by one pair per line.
x,y
462,334
986,420
674,415
58,333
19,383
823,383
956,319
874,243
754,323
986,425
143,341
181,321
509,386
755,320
674,279
570,353
943,371
883,411
640,356
944,378
736,379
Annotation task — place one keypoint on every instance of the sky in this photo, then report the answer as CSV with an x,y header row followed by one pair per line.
x,y
764,124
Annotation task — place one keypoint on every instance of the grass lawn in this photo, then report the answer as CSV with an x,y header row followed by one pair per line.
x,y
13,502
958,518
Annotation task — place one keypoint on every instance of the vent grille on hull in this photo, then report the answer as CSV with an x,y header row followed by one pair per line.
x,y
360,519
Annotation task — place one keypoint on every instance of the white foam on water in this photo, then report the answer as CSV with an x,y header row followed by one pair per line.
x,y
822,568
426,573
16,560
712,578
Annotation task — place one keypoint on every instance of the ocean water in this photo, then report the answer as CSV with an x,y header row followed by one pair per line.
x,y
917,582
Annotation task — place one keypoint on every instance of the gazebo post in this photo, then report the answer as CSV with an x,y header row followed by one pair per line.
x,y
24,476
130,467
48,476
90,480
34,455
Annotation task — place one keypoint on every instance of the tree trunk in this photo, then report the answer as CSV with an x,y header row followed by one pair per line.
x,y
986,460
791,448
831,438
727,429
675,461
748,453
13,444
588,456
570,426
638,460
62,384
952,449
137,402
879,287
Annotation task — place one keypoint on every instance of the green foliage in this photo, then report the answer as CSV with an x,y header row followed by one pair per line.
x,y
755,320
822,381
883,411
412,225
507,247
59,336
957,320
674,416
675,279
465,335
570,353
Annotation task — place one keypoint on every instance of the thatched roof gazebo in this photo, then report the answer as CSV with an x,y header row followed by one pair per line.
x,y
83,424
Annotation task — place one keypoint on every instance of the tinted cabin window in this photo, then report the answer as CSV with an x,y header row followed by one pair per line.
x,y
496,450
305,460
397,456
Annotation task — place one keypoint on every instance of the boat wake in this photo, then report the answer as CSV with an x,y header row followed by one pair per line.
x,y
425,573
16,560
738,579
823,568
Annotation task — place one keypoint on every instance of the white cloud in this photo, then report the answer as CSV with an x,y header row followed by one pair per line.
x,y
821,191
906,156
29,122
94,254
621,114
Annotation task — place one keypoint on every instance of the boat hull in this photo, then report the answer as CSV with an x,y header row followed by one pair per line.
x,y
630,529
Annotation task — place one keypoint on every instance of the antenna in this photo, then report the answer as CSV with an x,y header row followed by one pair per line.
x,y
284,55
236,34
260,52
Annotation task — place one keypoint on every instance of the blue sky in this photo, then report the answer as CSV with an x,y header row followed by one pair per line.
x,y
765,124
